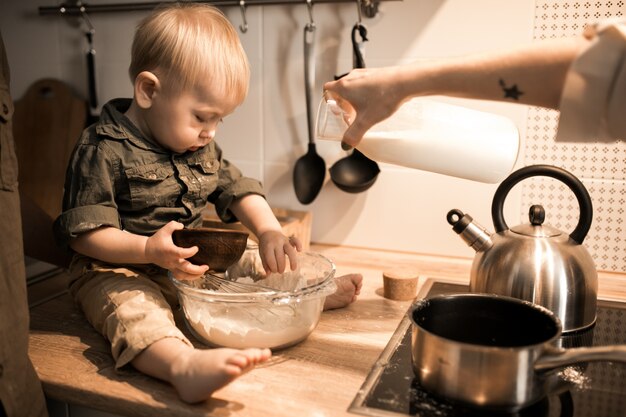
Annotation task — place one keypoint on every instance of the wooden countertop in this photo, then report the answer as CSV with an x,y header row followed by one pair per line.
x,y
318,377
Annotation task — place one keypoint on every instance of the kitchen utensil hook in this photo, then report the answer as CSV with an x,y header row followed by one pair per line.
x,y
369,7
90,29
244,26
358,8
309,4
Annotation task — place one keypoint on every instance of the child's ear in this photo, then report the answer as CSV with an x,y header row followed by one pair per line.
x,y
146,86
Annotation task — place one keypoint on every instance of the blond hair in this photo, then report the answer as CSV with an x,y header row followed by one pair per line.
x,y
189,43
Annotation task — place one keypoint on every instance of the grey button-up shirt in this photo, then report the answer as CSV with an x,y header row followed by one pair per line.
x,y
117,177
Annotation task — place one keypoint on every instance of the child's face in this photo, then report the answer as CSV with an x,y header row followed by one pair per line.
x,y
187,121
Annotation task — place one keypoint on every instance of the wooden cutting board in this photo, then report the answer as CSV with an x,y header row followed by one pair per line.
x,y
47,122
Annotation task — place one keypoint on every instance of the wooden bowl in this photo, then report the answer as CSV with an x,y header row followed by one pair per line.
x,y
218,248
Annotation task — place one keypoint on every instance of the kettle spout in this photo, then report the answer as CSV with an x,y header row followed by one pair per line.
x,y
471,232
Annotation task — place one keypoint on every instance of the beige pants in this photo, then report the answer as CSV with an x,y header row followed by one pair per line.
x,y
130,306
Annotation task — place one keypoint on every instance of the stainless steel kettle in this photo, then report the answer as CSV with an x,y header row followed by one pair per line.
x,y
535,262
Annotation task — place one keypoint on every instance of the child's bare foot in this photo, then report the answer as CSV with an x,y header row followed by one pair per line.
x,y
196,373
200,373
348,287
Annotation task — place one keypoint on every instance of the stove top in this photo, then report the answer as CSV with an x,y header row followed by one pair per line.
x,y
596,389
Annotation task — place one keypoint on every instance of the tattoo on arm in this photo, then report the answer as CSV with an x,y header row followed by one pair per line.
x,y
510,92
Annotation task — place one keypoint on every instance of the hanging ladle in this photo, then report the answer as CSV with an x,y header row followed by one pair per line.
x,y
310,169
355,173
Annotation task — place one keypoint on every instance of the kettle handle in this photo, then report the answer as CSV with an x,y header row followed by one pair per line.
x,y
581,193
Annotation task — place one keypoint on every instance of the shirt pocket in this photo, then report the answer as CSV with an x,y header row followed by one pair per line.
x,y
152,186
8,157
206,172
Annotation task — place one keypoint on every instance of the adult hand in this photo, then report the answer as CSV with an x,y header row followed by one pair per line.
x,y
369,94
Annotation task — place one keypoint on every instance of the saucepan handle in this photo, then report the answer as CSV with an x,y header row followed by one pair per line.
x,y
581,193
555,358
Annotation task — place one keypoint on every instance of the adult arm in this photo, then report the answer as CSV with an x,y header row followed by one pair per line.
x,y
532,74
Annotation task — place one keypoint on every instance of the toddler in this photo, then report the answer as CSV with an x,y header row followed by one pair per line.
x,y
148,167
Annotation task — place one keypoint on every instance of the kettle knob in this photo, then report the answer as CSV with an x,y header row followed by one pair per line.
x,y
536,215
581,193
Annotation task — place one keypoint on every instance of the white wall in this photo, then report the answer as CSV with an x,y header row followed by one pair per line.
x,y
405,209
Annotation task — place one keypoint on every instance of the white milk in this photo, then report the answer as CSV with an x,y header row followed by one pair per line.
x,y
435,137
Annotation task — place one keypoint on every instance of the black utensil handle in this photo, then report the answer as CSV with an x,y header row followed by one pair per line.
x,y
581,193
359,62
91,74
309,77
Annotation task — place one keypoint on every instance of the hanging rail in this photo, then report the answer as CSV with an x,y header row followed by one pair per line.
x,y
370,7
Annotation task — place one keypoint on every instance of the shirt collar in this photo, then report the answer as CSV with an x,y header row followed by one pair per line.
x,y
114,124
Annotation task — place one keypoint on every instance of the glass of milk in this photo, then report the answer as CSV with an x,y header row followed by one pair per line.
x,y
433,136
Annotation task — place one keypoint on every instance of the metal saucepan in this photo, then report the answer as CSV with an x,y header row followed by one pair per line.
x,y
492,351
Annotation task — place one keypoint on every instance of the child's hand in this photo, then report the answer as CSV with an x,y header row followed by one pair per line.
x,y
274,247
161,250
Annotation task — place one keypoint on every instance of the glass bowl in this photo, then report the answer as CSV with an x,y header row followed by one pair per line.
x,y
276,318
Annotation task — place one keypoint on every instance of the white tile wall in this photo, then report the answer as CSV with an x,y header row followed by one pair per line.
x,y
405,209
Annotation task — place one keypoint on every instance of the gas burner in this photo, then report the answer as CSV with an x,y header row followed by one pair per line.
x,y
590,390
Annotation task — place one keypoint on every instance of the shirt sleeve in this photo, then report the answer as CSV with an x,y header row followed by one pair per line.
x,y
89,199
594,97
231,186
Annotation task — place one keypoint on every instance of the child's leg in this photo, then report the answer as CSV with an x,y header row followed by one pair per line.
x,y
131,309
196,373
348,288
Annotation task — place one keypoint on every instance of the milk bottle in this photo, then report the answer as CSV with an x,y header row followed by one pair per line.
x,y
434,136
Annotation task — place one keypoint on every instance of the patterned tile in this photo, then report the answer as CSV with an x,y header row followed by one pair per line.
x,y
585,160
606,240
